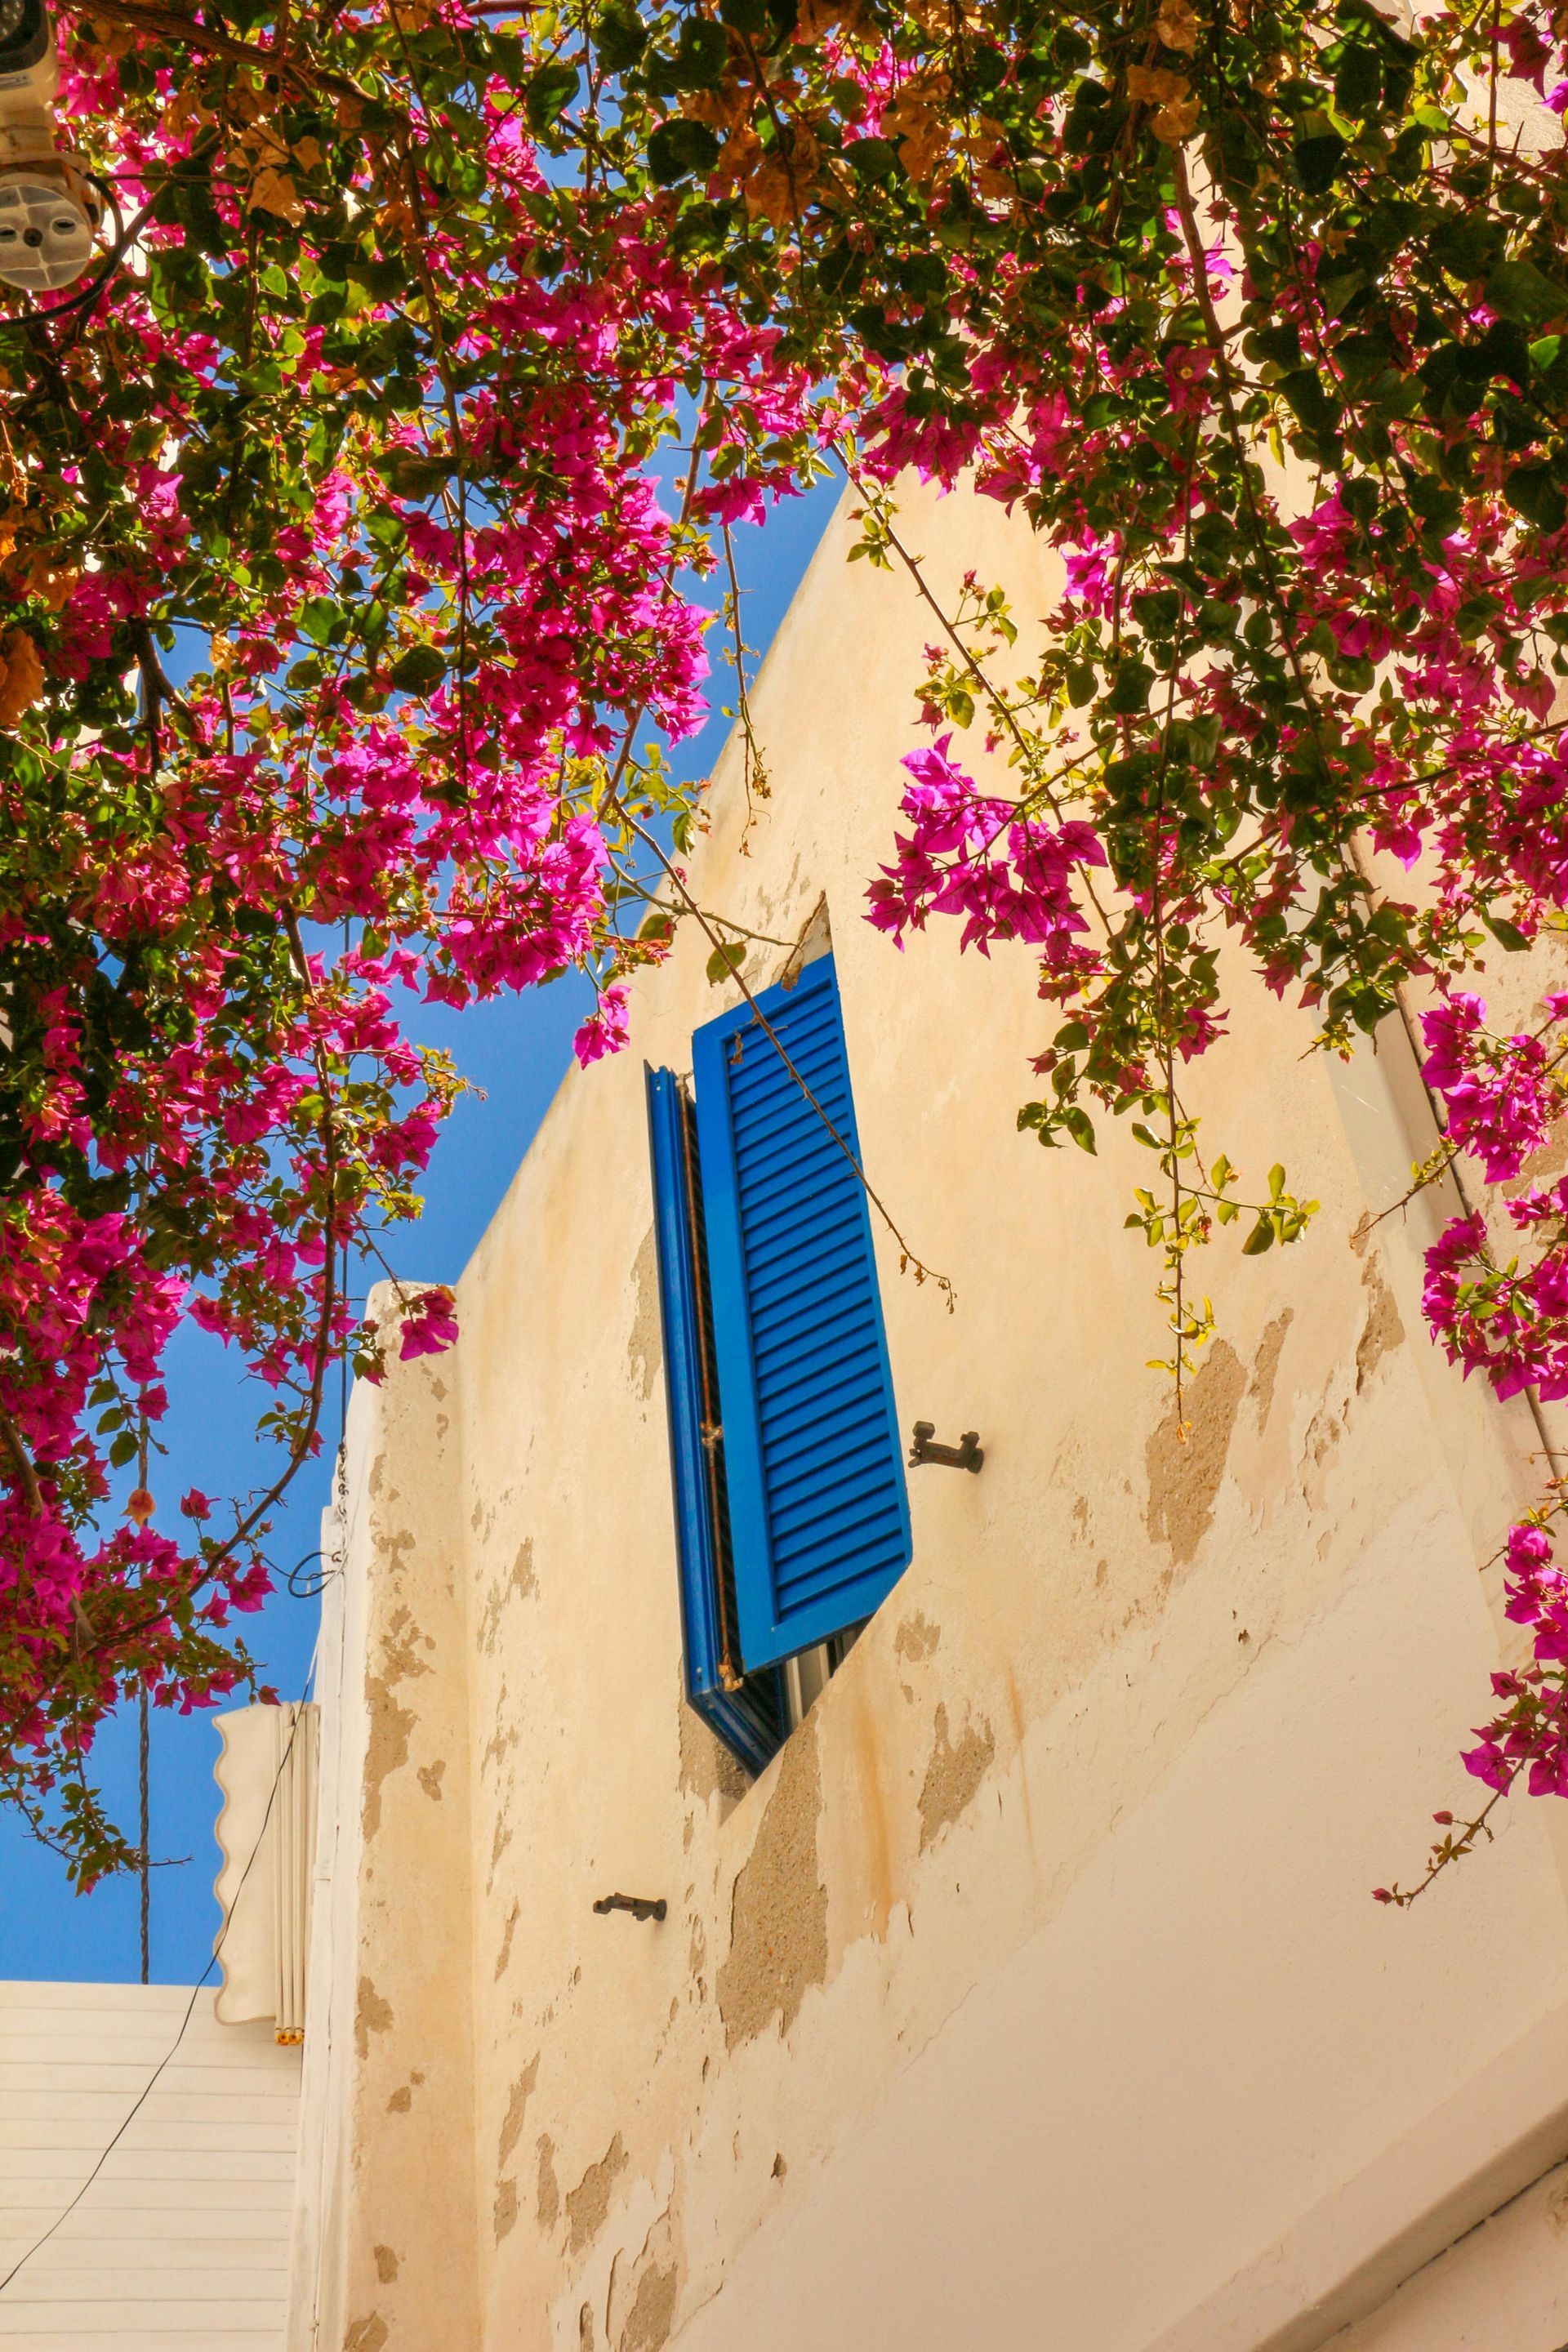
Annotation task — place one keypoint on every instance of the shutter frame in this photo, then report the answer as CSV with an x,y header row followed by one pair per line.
x,y
749,1719
788,1452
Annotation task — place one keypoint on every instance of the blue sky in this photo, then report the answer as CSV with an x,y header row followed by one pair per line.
x,y
515,1052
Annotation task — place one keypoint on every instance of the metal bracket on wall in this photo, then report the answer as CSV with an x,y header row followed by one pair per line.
x,y
967,1454
641,1906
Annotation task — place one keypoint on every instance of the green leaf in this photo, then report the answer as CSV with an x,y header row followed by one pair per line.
x,y
419,670
1080,1126
318,616
1534,492
725,960
1518,290
621,36
677,149
1508,935
1260,1239
703,53
1130,691
550,93
1318,160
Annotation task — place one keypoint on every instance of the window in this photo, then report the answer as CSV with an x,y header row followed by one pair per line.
x,y
792,1517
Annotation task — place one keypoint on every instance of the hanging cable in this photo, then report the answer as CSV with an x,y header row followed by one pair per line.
x,y
142,1742
146,1830
147,2088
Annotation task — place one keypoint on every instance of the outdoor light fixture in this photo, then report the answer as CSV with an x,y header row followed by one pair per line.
x,y
49,207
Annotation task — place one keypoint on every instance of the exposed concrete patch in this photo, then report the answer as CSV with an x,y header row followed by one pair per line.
x,y
1185,1473
954,1774
516,1585
644,1348
431,1777
917,1638
589,2203
1383,1329
390,1724
1265,1364
367,2334
652,2315
505,2208
503,1957
372,2015
706,1768
386,2264
517,2108
549,2205
778,1911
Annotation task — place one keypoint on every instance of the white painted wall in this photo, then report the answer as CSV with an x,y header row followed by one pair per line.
x,y
181,2242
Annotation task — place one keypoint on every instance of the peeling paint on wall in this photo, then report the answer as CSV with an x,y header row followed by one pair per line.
x,y
390,1724
372,2015
505,2208
1185,1473
778,1911
954,1774
589,2202
367,2334
549,2205
517,2108
1266,1365
503,1957
1383,1329
917,1638
652,2313
431,1777
516,1585
386,2264
644,1352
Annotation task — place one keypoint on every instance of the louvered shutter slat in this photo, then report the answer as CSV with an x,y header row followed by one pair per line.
x,y
818,1511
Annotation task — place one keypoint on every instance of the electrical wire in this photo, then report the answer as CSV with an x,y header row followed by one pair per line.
x,y
147,2088
144,1871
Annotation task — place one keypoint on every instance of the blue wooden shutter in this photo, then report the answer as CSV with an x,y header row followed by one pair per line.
x,y
819,1515
746,1711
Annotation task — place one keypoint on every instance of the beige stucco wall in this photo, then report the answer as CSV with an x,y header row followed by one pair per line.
x,y
1034,1996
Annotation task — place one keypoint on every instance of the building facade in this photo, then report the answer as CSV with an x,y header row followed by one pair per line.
x,y
1017,1982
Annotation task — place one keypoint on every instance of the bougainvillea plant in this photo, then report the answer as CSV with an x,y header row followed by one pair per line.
x,y
345,626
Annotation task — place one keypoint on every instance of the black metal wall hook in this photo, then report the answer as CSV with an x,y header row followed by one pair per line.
x,y
639,1905
967,1454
